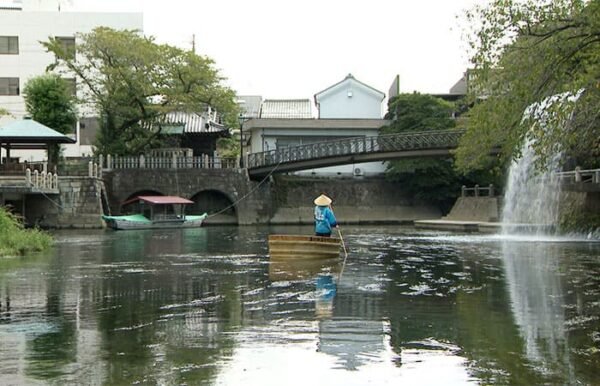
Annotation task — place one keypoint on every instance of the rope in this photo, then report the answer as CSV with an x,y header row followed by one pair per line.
x,y
52,201
247,194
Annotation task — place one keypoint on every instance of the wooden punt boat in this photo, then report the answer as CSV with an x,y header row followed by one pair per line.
x,y
303,247
157,212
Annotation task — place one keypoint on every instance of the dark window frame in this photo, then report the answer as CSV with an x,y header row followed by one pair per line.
x,y
72,82
12,84
15,45
68,43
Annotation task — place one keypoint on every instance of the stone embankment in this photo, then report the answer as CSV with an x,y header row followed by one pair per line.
x,y
355,201
78,205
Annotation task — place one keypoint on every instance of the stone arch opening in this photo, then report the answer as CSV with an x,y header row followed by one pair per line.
x,y
214,201
134,207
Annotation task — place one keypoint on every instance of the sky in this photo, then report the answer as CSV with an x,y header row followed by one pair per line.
x,y
297,48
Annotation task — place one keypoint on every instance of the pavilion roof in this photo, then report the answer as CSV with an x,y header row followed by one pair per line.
x,y
28,131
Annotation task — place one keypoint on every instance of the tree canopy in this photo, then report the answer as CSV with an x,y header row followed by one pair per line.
x,y
132,83
530,56
418,112
49,100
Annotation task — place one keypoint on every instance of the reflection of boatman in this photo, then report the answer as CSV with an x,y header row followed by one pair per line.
x,y
324,217
326,290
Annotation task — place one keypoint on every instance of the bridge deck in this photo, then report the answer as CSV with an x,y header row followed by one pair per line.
x,y
354,150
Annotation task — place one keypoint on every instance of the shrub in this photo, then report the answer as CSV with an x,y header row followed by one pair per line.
x,y
16,240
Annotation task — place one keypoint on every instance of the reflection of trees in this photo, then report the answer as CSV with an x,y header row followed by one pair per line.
x,y
451,295
506,316
49,352
170,325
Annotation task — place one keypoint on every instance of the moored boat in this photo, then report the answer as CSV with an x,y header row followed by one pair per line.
x,y
156,212
303,247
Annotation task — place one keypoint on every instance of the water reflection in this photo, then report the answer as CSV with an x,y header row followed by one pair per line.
x,y
209,307
534,279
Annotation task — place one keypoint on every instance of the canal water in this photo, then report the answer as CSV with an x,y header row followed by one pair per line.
x,y
206,306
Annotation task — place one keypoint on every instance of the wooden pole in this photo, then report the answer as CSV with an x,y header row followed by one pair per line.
x,y
345,254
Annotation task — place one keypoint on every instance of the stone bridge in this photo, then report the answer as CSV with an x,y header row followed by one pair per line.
x,y
212,190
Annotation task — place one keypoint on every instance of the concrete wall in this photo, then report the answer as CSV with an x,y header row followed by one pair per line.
x,y
485,209
354,201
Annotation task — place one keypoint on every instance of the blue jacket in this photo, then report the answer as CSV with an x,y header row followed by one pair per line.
x,y
324,219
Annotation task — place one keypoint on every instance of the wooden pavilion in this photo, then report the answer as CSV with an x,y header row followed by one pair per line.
x,y
26,134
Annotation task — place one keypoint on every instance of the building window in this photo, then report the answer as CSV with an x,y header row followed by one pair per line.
x,y
68,45
72,84
9,86
9,45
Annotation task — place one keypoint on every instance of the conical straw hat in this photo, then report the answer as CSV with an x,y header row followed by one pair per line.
x,y
322,200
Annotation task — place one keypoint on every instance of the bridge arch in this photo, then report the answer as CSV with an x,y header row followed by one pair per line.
x,y
213,201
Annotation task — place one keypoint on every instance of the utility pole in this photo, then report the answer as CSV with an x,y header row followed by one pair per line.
x,y
194,43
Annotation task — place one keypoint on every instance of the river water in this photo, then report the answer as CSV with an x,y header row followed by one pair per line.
x,y
206,306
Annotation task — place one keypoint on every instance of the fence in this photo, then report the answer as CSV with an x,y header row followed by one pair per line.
x,y
478,190
591,176
19,168
41,181
175,162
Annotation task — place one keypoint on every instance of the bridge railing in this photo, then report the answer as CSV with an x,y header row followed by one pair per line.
x,y
358,145
205,161
585,176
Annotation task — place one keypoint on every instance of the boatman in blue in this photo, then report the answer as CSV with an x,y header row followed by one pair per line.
x,y
324,217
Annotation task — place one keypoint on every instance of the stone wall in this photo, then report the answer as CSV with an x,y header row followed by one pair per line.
x,y
355,201
78,205
281,200
252,202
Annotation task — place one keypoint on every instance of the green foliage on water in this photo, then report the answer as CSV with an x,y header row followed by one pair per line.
x,y
15,240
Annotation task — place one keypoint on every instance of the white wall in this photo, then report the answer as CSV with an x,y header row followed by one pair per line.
x,y
266,139
350,99
32,27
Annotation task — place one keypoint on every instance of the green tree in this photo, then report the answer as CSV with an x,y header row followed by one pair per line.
x,y
133,82
431,179
228,147
49,100
527,53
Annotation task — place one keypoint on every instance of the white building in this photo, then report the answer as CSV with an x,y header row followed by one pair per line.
x,y
349,99
23,24
347,109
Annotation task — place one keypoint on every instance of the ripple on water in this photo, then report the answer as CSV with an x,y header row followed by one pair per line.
x,y
195,303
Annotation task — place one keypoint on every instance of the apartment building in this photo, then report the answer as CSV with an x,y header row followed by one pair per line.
x,y
23,25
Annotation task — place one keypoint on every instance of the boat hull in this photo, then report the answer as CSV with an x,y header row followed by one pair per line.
x,y
125,223
283,247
